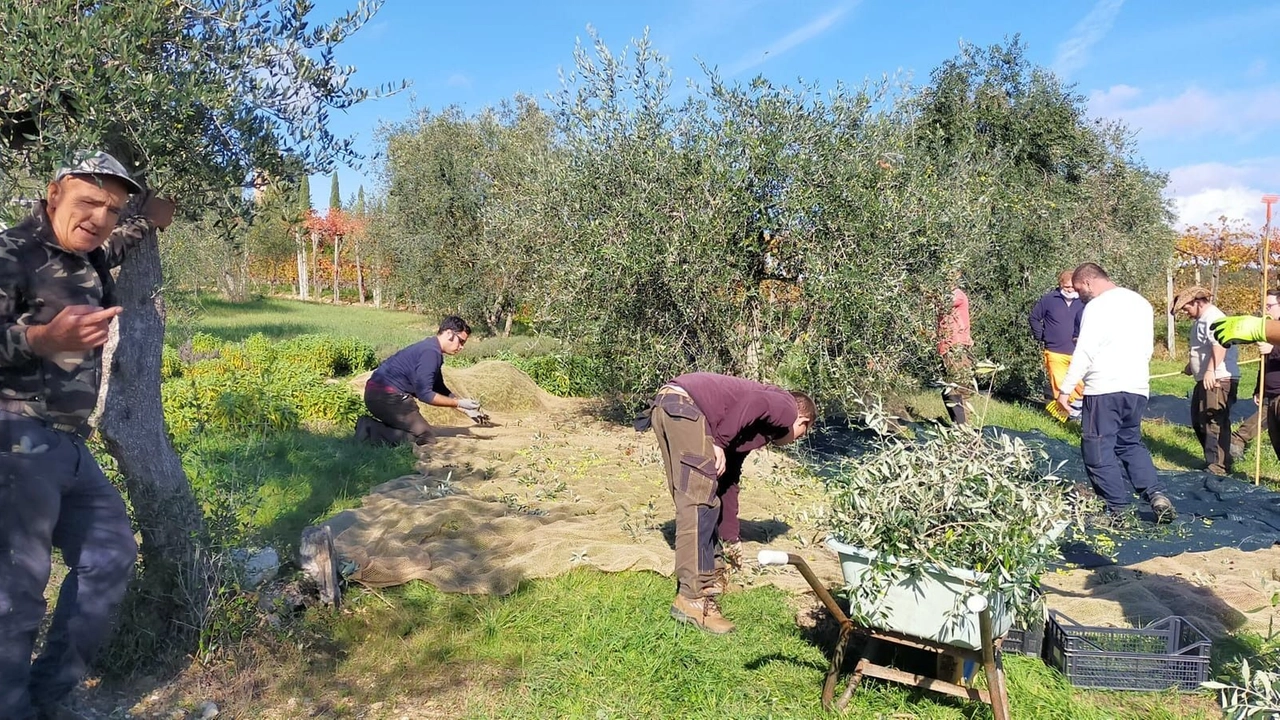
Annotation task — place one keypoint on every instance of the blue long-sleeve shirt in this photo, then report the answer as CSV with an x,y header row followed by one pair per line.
x,y
416,370
1055,324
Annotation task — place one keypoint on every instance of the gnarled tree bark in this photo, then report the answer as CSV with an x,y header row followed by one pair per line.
x,y
171,594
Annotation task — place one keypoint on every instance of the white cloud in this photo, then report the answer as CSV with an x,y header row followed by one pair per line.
x,y
1073,53
790,41
1193,113
458,80
1204,192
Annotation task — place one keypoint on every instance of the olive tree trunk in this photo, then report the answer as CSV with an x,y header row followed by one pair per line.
x,y
171,593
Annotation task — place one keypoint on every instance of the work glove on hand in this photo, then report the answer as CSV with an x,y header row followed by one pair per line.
x,y
465,404
478,416
1239,328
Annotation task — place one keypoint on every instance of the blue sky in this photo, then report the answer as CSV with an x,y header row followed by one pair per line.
x,y
1196,82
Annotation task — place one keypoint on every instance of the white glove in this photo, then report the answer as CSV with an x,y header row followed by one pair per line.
x,y
465,404
478,416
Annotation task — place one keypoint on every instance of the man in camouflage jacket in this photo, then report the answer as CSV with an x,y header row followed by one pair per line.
x,y
56,307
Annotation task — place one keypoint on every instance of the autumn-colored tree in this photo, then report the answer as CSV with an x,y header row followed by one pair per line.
x,y
1229,245
333,228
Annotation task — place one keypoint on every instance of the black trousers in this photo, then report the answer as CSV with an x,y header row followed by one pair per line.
x,y
396,419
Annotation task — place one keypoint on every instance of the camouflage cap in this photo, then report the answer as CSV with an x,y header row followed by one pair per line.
x,y
99,164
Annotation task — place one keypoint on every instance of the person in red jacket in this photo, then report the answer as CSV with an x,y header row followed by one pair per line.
x,y
705,425
955,347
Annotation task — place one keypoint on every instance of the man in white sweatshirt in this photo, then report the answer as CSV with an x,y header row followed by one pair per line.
x,y
1112,357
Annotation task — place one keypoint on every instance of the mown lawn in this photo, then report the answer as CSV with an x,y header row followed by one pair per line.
x,y
386,330
587,644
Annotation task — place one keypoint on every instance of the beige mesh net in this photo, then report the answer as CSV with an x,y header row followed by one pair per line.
x,y
551,488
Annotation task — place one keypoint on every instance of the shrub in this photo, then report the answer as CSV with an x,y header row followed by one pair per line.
x,y
564,375
327,356
1256,695
262,387
170,363
956,497
204,344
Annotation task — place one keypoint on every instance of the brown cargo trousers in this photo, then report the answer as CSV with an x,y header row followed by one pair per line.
x,y
690,462
1211,421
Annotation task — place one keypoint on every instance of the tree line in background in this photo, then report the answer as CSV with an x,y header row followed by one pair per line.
x,y
795,234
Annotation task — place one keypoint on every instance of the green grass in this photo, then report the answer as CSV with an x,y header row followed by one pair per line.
x,y
386,330
594,645
267,489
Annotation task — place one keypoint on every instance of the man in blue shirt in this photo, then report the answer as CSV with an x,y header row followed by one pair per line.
x,y
1055,324
412,374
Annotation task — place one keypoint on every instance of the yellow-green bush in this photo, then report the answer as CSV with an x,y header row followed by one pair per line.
x,y
261,387
563,374
205,344
170,363
328,356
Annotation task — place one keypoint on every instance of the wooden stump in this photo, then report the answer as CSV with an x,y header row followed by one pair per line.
x,y
320,563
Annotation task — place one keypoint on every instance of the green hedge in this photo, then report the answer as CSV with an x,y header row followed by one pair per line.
x,y
259,385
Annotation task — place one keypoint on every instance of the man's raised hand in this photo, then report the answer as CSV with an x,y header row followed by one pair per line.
x,y
158,210
75,329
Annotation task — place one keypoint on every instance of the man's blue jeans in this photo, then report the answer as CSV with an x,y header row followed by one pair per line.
x,y
1114,455
57,497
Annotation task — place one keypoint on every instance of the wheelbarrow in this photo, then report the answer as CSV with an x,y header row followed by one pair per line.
x,y
951,658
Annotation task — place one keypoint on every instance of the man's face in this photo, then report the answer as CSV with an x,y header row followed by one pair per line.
x,y
1085,288
1065,284
83,213
1273,307
451,342
798,430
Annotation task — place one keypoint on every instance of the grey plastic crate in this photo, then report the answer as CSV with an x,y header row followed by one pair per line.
x,y
1025,641
1167,653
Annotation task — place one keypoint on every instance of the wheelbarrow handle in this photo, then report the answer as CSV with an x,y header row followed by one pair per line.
x,y
778,557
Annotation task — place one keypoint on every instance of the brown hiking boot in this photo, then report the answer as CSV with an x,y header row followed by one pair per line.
x,y
703,612
1163,508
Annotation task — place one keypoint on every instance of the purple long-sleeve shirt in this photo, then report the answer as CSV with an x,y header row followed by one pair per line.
x,y
742,414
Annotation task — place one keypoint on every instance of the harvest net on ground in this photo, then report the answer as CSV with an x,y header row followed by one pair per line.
x,y
552,487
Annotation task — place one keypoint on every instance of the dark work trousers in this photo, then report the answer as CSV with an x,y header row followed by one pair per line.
x,y
1211,419
730,529
957,366
398,418
55,498
1248,428
690,462
1270,421
1272,404
1111,443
